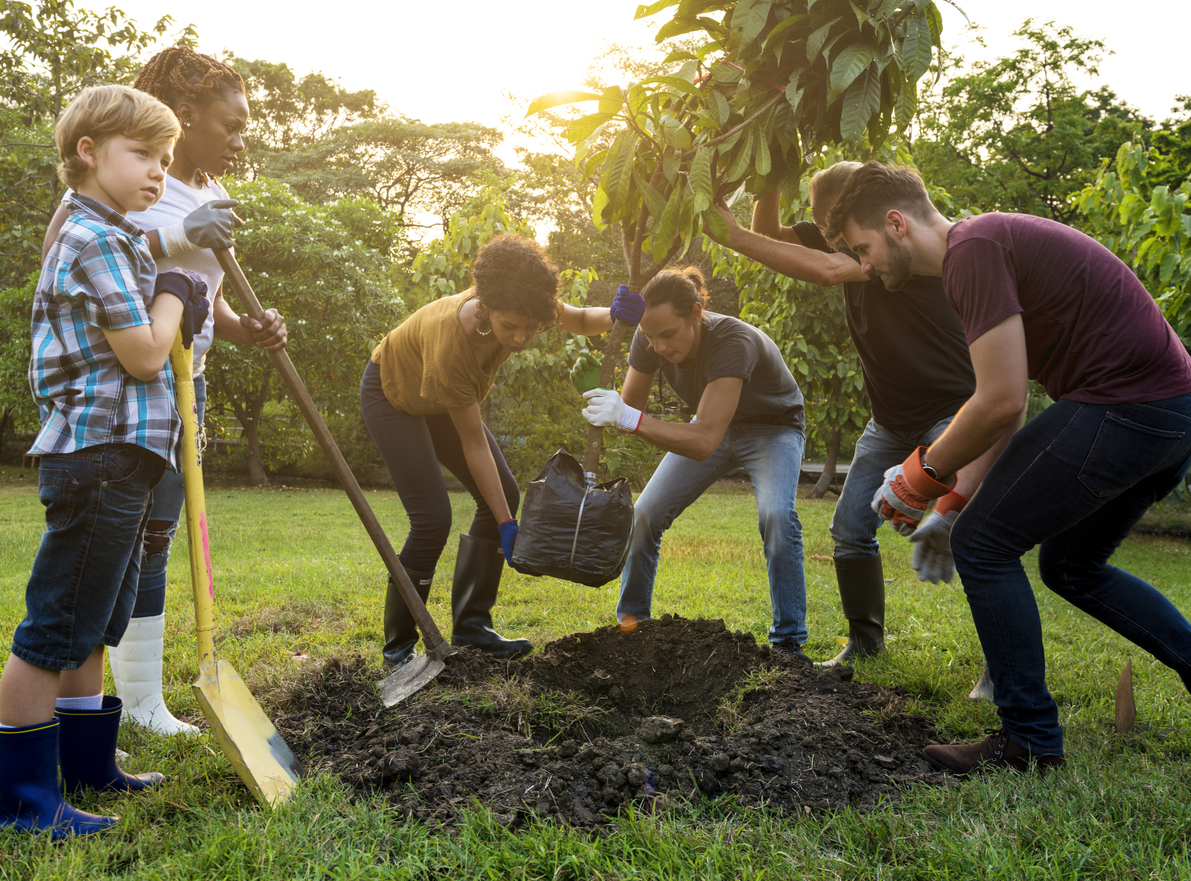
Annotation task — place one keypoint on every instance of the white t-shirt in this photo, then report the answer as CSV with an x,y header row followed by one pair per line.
x,y
179,200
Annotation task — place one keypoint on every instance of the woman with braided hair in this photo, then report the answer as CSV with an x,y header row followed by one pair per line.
x,y
192,217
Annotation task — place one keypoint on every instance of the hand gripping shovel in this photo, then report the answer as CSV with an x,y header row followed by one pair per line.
x,y
249,740
411,676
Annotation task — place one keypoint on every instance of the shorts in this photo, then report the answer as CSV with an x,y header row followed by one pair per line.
x,y
83,584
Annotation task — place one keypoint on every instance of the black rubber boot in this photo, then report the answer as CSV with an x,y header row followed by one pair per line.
x,y
473,594
862,595
30,794
87,750
401,628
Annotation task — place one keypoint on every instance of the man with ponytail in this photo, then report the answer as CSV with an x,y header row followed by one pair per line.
x,y
748,413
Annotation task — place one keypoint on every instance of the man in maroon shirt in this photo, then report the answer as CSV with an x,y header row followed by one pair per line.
x,y
1038,300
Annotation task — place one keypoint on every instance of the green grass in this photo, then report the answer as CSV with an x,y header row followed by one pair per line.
x,y
297,581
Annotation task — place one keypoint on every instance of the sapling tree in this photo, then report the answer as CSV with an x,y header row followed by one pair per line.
x,y
764,87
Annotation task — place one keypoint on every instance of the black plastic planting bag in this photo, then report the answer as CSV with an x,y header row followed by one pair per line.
x,y
573,531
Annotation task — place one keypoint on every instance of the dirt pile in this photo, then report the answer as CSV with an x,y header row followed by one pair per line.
x,y
676,709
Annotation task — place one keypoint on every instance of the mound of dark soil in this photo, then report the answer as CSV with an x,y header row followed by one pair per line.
x,y
676,709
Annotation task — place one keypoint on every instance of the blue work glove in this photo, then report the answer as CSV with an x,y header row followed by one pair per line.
x,y
508,539
627,308
190,288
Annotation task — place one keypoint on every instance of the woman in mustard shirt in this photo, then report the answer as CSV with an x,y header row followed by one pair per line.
x,y
421,395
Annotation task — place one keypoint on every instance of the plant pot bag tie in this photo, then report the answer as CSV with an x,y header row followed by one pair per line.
x,y
572,529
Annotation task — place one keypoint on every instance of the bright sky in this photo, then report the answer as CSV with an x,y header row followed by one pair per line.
x,y
454,60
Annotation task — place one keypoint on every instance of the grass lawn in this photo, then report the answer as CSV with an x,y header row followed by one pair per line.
x,y
297,581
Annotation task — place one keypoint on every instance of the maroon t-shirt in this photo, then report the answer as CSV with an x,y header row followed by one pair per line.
x,y
1093,332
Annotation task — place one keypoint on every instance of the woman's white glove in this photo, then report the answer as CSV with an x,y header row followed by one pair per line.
x,y
208,226
606,409
932,558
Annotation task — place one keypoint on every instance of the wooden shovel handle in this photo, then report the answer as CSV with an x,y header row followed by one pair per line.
x,y
435,646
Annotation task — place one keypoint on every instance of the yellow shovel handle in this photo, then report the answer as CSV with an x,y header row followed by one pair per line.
x,y
182,361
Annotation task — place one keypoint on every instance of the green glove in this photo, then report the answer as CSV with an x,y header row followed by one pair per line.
x,y
586,373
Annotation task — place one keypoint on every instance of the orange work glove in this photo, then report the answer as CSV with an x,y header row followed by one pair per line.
x,y
907,492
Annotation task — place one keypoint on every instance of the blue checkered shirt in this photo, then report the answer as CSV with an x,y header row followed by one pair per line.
x,y
98,275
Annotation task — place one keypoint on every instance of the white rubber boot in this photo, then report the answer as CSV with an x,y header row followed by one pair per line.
x,y
136,670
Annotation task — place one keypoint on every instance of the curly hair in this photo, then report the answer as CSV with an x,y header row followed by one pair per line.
x,y
180,74
513,274
682,288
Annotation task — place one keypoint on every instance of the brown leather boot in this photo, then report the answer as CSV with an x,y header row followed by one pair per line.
x,y
991,754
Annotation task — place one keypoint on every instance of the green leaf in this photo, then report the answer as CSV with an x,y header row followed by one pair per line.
x,y
674,134
748,20
716,225
612,100
598,204
676,27
848,65
581,129
916,47
763,162
906,105
667,227
653,8
674,83
556,99
772,40
742,161
814,43
655,202
718,105
860,102
701,178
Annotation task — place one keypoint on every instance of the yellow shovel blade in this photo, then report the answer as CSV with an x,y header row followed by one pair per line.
x,y
251,743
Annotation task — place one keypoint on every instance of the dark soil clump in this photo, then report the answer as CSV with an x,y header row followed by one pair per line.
x,y
678,709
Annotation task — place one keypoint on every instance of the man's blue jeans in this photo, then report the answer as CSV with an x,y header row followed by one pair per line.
x,y
772,456
854,523
1074,480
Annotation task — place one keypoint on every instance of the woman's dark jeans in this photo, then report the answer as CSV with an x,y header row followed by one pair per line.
x,y
413,447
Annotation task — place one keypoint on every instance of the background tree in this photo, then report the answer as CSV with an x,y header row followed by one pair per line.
x,y
769,84
49,53
1016,134
325,267
1147,225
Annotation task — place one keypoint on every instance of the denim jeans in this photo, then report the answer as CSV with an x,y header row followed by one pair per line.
x,y
772,456
1074,480
854,524
83,584
165,510
413,447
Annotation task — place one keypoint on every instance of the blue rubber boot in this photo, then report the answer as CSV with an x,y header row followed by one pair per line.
x,y
30,794
87,750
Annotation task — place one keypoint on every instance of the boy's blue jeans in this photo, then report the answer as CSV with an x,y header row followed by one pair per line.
x,y
1074,480
83,584
772,456
854,523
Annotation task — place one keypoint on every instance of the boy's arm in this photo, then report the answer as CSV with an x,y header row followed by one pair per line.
x,y
142,350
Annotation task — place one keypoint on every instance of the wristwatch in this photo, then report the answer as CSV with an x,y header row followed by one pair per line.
x,y
929,471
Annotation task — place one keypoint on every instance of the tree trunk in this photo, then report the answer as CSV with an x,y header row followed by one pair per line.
x,y
252,453
828,475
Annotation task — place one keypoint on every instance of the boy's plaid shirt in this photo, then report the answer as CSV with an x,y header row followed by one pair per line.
x,y
97,275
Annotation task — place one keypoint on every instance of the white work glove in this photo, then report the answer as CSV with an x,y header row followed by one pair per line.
x,y
208,226
932,558
606,409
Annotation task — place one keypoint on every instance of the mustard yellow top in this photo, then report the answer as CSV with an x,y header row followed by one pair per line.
x,y
427,365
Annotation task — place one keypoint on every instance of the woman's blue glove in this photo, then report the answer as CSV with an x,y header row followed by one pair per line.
x,y
627,308
189,287
508,538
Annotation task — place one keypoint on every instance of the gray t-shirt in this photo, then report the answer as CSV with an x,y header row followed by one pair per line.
x,y
730,347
